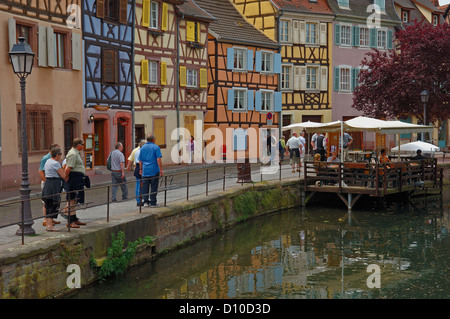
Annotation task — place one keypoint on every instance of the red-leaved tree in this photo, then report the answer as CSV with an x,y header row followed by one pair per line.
x,y
391,82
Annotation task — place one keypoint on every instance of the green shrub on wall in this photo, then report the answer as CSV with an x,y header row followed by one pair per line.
x,y
118,258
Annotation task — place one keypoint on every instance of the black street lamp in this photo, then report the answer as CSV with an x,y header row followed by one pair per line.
x,y
424,97
22,58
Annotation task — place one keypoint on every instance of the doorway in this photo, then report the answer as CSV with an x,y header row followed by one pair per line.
x,y
99,143
121,133
69,135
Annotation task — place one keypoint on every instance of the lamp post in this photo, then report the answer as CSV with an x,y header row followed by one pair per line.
x,y
424,96
22,58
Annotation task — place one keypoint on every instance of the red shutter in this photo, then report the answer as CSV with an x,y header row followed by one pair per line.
x,y
110,66
100,8
123,17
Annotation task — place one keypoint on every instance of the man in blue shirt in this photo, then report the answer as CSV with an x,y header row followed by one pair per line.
x,y
150,165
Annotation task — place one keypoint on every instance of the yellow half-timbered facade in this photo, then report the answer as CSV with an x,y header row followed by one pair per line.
x,y
303,30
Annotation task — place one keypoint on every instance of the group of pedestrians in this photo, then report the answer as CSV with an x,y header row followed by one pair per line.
x,y
145,161
296,148
55,178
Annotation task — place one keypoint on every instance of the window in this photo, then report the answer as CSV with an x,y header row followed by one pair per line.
x,y
405,16
343,3
111,9
39,128
58,41
284,31
344,79
364,37
110,66
286,75
239,99
154,15
239,59
311,78
266,100
266,62
152,72
311,33
380,3
435,19
346,35
191,78
23,31
381,41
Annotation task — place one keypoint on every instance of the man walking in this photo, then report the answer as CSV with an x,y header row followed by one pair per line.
x,y
133,164
150,165
293,145
75,172
118,172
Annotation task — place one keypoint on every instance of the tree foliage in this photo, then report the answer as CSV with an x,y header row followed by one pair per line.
x,y
390,82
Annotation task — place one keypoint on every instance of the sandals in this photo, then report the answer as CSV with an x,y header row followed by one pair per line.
x,y
52,229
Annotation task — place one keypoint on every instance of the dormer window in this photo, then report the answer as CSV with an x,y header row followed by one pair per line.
x,y
405,16
435,19
344,4
381,4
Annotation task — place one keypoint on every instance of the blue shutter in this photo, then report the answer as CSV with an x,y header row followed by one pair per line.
x,y
258,101
337,34
230,58
230,105
355,36
277,63
250,103
235,141
249,60
278,101
373,37
336,78
353,79
258,61
246,139
390,34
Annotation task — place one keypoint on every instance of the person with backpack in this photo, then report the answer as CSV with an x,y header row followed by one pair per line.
x,y
318,143
118,172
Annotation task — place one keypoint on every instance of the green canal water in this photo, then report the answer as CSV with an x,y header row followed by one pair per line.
x,y
320,252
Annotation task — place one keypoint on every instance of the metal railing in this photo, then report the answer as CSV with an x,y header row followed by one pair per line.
x,y
204,180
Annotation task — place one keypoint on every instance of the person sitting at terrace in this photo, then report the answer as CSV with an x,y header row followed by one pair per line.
x,y
333,158
419,155
383,157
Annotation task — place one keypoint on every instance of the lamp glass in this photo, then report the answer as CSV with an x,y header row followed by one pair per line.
x,y
22,58
424,96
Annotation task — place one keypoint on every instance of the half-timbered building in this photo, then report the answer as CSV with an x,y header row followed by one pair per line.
x,y
53,90
303,30
243,71
108,75
170,70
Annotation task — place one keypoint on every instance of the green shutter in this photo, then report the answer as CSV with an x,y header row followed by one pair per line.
x,y
337,34
336,78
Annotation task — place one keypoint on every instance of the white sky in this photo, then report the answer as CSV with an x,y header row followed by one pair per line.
x,y
444,2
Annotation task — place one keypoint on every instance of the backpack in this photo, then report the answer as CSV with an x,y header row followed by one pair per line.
x,y
320,142
108,163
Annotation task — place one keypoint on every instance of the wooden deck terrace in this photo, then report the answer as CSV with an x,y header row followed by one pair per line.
x,y
354,179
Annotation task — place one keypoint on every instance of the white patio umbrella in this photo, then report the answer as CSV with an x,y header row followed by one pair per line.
x,y
414,146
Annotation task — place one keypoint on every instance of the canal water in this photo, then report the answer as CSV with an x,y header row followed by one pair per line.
x,y
396,250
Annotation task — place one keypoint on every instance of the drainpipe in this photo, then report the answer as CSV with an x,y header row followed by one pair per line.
x,y
177,80
280,118
133,128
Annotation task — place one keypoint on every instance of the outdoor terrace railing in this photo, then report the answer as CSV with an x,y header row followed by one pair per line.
x,y
372,178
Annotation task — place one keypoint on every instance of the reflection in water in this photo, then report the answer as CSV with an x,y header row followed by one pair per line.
x,y
306,253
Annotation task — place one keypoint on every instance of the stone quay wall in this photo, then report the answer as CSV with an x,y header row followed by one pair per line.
x,y
40,268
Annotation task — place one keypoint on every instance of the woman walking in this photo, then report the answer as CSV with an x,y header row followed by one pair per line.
x,y
51,193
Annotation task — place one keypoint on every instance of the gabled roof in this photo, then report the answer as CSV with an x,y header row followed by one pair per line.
x,y
191,10
358,8
231,26
306,6
414,11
